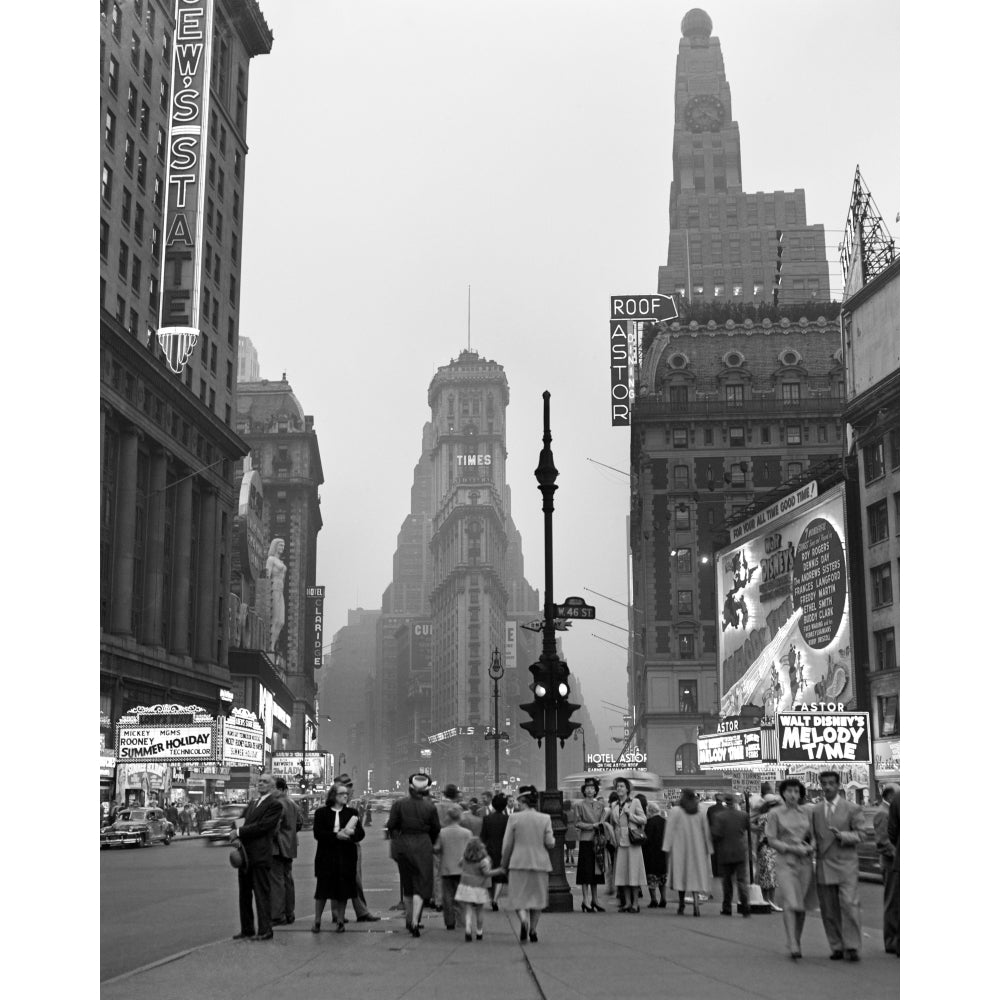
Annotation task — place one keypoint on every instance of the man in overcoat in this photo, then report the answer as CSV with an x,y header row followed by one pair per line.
x,y
284,850
260,821
836,827
729,828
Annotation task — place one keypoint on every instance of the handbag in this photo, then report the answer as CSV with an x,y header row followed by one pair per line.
x,y
636,836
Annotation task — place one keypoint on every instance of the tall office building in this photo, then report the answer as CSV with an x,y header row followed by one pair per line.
x,y
733,403
169,447
724,244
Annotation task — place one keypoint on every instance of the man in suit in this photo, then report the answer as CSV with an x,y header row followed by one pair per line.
x,y
729,828
836,827
260,821
712,812
284,850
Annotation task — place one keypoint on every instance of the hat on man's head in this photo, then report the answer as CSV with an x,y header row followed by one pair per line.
x,y
451,791
344,779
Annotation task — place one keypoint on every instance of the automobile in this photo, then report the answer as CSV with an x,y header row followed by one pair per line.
x,y
139,826
869,859
221,826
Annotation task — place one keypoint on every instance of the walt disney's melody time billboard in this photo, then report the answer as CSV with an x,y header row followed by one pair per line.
x,y
784,606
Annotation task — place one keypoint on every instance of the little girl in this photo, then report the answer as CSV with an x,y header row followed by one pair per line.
x,y
473,886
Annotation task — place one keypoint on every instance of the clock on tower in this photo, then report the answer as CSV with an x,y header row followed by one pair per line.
x,y
704,113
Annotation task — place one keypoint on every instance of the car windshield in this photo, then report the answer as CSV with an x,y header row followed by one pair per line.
x,y
133,816
231,811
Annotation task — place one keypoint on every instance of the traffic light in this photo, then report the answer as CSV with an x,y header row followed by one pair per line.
x,y
540,686
302,784
564,707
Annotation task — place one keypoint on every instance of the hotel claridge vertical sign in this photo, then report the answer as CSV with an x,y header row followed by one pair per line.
x,y
181,267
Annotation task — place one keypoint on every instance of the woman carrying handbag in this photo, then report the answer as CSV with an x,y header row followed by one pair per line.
x,y
629,821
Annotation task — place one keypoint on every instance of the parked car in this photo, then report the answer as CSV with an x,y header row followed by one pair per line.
x,y
220,827
138,826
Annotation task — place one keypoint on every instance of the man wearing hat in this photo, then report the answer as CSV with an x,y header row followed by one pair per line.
x,y
260,822
729,828
361,911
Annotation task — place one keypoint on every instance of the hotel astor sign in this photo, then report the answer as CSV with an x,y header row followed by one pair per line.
x,y
183,240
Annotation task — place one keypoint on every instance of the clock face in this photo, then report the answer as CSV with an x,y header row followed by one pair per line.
x,y
704,113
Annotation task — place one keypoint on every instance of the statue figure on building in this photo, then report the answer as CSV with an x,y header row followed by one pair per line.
x,y
276,570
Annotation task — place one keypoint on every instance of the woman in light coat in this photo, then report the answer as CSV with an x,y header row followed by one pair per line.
x,y
525,857
688,843
628,819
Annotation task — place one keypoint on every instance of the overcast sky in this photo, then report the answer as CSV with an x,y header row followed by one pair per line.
x,y
401,151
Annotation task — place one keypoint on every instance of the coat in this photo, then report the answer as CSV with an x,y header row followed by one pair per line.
x,y
451,846
527,841
688,842
729,835
836,861
336,864
652,851
286,837
494,827
260,820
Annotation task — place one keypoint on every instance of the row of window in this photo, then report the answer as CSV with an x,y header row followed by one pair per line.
x,y
878,520
736,476
738,436
873,456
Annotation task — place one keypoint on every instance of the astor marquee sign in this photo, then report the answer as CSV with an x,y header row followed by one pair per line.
x,y
183,240
626,347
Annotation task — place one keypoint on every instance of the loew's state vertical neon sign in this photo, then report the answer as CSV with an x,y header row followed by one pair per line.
x,y
181,265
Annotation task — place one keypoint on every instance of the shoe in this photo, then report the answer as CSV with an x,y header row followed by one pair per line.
x,y
852,955
774,907
468,937
795,955
289,920
495,906
242,937
837,956
368,918
746,911
652,905
662,904
315,928
596,907
533,937
585,908
680,910
726,913
341,928
479,935
264,937
415,931
524,932
278,921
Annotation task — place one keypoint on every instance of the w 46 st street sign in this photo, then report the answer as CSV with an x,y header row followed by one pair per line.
x,y
575,607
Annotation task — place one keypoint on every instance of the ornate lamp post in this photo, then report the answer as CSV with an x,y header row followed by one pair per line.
x,y
496,673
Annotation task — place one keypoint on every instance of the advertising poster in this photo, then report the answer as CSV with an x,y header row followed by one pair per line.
x,y
242,739
824,738
289,766
174,743
784,611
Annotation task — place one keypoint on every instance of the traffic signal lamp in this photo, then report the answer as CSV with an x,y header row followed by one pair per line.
x,y
564,725
536,716
302,784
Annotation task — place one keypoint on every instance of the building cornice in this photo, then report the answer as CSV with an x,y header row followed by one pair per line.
x,y
863,294
248,22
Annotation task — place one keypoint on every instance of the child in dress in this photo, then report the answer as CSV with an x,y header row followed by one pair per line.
x,y
473,887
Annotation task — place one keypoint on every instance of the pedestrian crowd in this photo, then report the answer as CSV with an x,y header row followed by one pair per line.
x,y
458,857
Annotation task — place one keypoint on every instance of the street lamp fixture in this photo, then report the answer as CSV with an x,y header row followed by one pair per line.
x,y
496,673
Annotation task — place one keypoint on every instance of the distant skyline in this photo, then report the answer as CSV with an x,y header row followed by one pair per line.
x,y
402,152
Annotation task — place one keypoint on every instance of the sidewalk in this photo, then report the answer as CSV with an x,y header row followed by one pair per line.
x,y
654,953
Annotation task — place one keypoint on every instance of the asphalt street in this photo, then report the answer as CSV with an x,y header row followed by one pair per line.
x,y
160,901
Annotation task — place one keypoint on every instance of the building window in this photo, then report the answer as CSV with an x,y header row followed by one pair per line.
x,y
885,649
232,290
878,522
231,335
113,75
686,759
821,433
765,435
158,192
236,203
683,560
110,125
132,102
881,577
874,458
238,165
215,315
154,293
154,243
147,69
736,474
144,120
734,395
150,20
134,51
120,310
682,477
687,691
140,171
123,261
136,274
213,124
888,715
164,94
140,219
680,437
229,374
894,448
678,395
794,469
161,142
682,517
222,140
895,497
233,248
126,207
685,602
133,322
737,438
793,433
116,22
709,435
129,153
165,46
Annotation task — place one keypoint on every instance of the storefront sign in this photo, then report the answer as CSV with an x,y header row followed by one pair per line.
x,y
720,749
824,737
242,738
621,403
609,761
510,645
784,622
180,743
886,757
785,505
251,550
183,239
314,623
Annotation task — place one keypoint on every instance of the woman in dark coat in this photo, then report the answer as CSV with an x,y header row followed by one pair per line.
x,y
653,856
494,827
588,813
337,829
413,827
